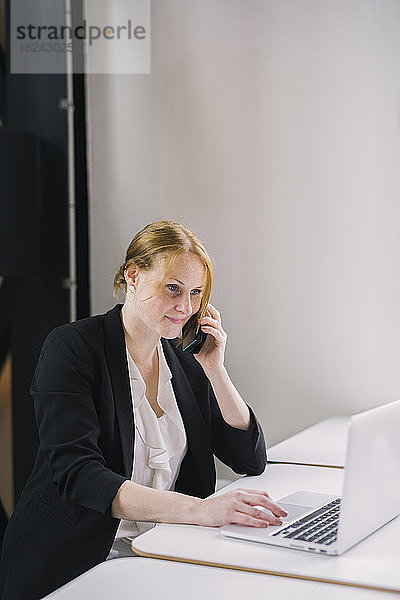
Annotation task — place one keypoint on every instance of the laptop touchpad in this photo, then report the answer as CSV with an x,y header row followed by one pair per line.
x,y
294,511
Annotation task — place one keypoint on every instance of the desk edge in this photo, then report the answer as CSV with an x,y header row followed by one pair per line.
x,y
262,571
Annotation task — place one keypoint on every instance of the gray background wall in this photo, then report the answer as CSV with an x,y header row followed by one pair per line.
x,y
272,129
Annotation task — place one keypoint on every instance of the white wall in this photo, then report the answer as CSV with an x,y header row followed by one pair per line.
x,y
123,172
272,129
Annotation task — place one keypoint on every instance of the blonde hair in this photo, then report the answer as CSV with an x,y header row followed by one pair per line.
x,y
166,239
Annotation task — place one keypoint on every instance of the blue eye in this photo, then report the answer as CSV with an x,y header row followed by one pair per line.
x,y
173,288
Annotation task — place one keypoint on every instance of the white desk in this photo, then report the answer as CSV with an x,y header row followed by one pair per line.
x,y
132,578
372,564
323,444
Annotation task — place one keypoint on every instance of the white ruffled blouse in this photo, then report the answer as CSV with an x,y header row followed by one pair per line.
x,y
160,443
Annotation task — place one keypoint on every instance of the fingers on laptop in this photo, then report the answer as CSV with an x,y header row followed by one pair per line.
x,y
256,509
246,514
264,499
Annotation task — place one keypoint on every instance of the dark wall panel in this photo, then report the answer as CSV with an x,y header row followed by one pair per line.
x,y
36,297
20,210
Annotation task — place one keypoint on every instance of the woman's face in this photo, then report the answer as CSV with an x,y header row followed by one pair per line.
x,y
164,312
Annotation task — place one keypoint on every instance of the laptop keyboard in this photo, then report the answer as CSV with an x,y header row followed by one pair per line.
x,y
319,527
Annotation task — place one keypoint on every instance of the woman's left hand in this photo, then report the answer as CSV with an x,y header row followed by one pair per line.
x,y
211,356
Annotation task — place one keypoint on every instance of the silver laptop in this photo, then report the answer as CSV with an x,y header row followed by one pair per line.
x,y
322,523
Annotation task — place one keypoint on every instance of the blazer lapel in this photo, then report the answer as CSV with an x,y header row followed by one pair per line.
x,y
118,365
195,427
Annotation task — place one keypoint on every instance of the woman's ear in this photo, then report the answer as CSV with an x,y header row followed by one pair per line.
x,y
131,275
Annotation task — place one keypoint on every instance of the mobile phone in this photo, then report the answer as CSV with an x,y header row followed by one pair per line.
x,y
193,343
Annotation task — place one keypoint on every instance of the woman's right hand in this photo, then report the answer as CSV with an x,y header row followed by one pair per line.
x,y
239,506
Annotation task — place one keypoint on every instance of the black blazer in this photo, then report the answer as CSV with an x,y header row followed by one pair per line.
x,y
62,524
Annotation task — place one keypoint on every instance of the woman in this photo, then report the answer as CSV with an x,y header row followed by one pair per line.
x,y
129,423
